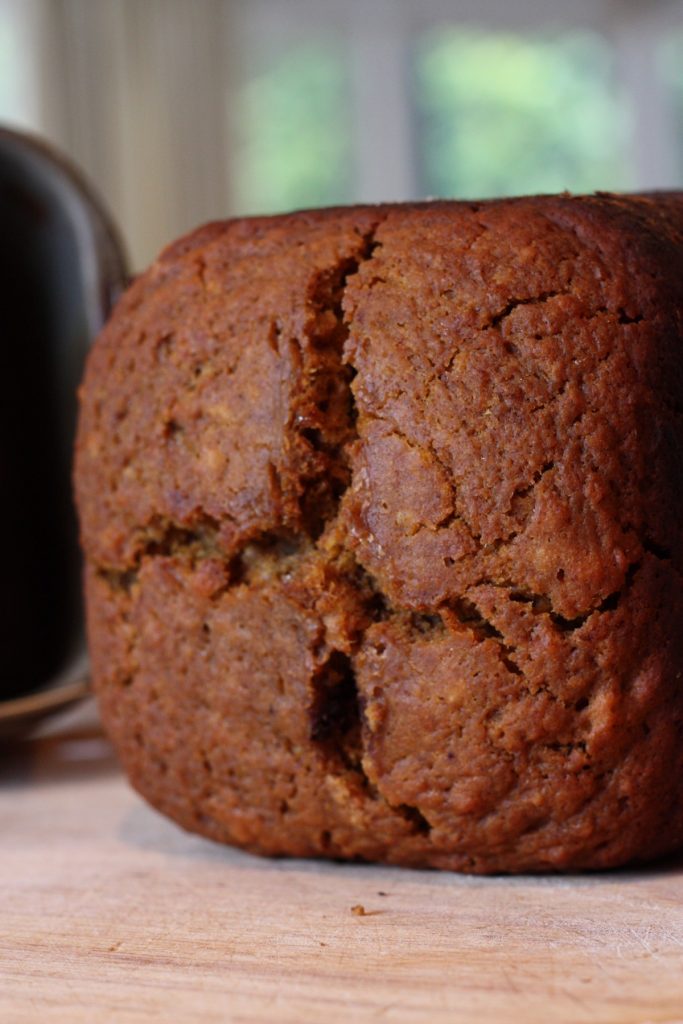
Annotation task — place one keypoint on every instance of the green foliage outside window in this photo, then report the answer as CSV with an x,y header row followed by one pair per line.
x,y
295,139
504,114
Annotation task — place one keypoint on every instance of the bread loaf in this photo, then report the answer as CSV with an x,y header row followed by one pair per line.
x,y
381,509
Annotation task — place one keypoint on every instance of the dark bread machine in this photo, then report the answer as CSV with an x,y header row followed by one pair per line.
x,y
61,268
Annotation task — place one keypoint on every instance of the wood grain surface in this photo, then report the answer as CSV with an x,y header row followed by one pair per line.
x,y
110,913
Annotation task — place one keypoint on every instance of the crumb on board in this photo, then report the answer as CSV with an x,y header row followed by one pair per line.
x,y
358,909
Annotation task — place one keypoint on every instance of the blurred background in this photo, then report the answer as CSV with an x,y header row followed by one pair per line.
x,y
186,110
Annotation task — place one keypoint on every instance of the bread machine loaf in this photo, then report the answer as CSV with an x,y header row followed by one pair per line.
x,y
381,508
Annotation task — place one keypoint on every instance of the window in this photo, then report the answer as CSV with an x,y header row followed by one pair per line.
x,y
183,111
505,114
19,86
671,68
293,146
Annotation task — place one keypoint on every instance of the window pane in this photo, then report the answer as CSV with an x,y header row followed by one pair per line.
x,y
504,114
294,140
18,80
672,72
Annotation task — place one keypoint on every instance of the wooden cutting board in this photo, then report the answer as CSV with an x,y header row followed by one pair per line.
x,y
108,913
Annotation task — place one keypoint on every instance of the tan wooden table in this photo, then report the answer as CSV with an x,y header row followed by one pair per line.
x,y
110,913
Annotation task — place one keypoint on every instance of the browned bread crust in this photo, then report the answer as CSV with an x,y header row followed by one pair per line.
x,y
382,516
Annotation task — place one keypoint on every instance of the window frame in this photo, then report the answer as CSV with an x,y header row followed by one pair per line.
x,y
380,34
